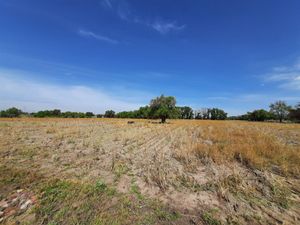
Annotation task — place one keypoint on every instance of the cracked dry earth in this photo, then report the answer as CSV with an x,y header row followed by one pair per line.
x,y
211,172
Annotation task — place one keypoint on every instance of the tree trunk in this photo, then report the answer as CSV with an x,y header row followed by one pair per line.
x,y
163,119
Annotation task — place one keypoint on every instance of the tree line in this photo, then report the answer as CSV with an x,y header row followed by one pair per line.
x,y
14,112
164,107
277,111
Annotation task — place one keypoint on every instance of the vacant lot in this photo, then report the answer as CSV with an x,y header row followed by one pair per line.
x,y
106,171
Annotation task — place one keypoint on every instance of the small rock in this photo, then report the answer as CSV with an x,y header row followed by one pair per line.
x,y
208,142
14,200
26,204
3,204
19,191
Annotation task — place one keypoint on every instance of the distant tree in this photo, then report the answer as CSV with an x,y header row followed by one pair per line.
x,y
206,113
48,113
202,114
123,114
217,114
11,112
163,107
233,117
3,113
197,114
280,109
56,113
100,115
244,116
260,115
109,114
186,112
68,114
294,113
143,112
89,114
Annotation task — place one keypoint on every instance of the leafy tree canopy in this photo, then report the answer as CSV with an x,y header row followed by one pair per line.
x,y
163,107
280,110
109,114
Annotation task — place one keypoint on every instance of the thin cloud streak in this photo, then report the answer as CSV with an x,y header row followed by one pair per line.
x,y
287,77
166,27
106,3
90,34
124,12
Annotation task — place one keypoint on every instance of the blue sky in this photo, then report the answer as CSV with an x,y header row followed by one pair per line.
x,y
118,54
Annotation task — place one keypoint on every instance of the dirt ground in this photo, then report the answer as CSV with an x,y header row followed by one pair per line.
x,y
106,171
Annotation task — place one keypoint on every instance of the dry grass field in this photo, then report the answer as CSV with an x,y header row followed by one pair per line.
x,y
106,171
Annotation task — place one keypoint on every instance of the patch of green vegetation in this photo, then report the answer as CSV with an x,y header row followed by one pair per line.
x,y
52,223
120,169
70,141
53,196
251,198
100,186
66,202
165,215
232,221
231,182
209,219
209,186
280,195
28,152
12,178
134,189
195,187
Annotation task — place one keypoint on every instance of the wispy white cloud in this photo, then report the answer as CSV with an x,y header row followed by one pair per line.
x,y
120,7
166,27
125,12
90,34
17,89
107,3
287,77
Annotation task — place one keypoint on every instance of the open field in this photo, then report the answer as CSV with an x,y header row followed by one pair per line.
x,y
105,171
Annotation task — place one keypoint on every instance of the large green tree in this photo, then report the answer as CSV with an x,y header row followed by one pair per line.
x,y
280,110
163,107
